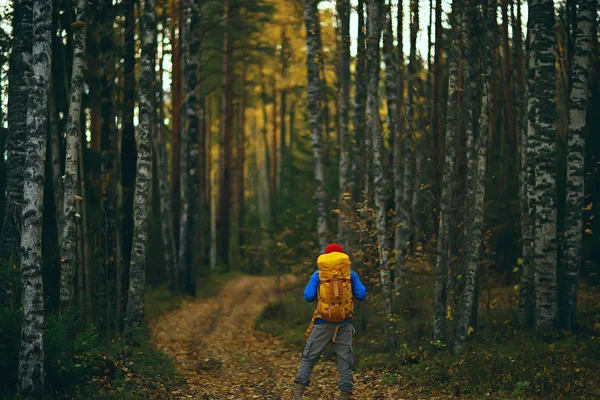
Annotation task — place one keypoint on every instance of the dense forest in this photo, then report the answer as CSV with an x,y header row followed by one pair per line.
x,y
151,147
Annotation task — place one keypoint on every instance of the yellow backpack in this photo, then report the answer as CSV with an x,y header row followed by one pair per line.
x,y
334,301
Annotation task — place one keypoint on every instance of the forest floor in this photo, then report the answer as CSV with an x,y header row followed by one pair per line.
x,y
222,356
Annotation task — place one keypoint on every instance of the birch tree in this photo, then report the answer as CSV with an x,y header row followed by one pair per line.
x,y
374,28
137,270
541,14
313,44
475,222
576,160
31,355
526,190
448,182
70,180
18,92
343,9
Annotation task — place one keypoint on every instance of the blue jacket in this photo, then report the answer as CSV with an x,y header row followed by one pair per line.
x,y
311,291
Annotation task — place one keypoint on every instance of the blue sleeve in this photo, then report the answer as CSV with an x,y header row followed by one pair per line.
x,y
310,292
358,289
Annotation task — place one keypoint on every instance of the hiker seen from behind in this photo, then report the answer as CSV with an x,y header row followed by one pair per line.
x,y
333,285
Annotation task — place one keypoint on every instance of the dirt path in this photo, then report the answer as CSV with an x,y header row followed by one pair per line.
x,y
223,357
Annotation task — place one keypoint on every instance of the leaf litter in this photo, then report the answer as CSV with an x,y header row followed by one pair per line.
x,y
221,356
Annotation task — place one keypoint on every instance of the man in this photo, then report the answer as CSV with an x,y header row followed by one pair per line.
x,y
333,285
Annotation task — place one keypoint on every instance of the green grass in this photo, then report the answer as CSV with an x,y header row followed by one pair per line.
x,y
500,360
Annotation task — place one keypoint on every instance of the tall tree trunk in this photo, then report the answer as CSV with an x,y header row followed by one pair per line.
x,y
274,152
576,162
267,161
190,191
137,270
374,26
410,118
437,122
391,90
360,98
541,15
18,92
475,223
167,233
109,152
128,146
176,98
68,259
31,355
224,213
55,156
313,43
526,295
343,10
529,144
446,229
87,265
241,159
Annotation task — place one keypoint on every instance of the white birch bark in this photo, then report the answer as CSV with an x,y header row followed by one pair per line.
x,y
475,222
576,160
313,44
137,269
31,355
541,12
68,259
18,93
528,144
449,178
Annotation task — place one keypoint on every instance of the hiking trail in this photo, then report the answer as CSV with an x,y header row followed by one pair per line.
x,y
222,356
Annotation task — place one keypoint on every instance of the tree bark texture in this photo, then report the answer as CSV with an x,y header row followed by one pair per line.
x,y
469,299
576,161
360,99
18,93
541,13
313,43
137,270
343,10
31,355
374,27
128,146
190,191
391,90
68,259
446,228
109,147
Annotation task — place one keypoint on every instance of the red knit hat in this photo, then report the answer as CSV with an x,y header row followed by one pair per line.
x,y
333,247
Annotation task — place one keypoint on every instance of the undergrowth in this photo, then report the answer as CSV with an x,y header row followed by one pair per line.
x,y
500,361
81,363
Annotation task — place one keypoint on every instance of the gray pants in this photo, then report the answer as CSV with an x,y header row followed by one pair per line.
x,y
322,335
